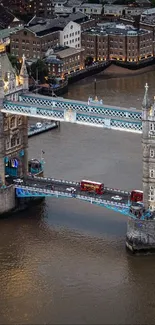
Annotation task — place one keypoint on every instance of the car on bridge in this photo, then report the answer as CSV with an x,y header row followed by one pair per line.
x,y
71,189
18,180
117,198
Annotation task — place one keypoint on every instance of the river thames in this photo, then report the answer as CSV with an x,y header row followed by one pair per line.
x,y
64,261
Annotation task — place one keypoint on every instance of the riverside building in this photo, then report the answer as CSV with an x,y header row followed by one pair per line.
x,y
118,42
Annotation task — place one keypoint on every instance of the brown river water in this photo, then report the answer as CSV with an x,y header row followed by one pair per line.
x,y
64,261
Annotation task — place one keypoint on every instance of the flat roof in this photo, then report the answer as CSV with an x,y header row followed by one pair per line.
x,y
115,29
91,5
149,11
68,52
4,33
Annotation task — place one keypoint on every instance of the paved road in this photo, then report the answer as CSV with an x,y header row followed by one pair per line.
x,y
65,187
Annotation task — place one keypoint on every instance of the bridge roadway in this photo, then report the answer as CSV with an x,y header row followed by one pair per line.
x,y
112,195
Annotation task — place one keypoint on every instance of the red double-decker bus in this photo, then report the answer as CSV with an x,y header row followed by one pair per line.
x,y
89,186
136,196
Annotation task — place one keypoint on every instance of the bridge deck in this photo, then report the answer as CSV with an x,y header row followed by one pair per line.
x,y
111,195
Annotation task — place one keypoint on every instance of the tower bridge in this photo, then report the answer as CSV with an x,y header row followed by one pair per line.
x,y
16,104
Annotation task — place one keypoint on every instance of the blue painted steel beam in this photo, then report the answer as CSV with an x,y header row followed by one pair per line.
x,y
21,193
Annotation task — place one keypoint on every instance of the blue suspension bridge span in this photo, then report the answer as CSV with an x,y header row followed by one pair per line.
x,y
34,186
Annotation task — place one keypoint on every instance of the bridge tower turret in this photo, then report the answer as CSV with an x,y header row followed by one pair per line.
x,y
148,145
23,76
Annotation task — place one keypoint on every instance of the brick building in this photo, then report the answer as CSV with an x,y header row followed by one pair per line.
x,y
65,60
42,34
118,42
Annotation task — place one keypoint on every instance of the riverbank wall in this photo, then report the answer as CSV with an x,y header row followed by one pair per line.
x,y
108,69
118,71
89,71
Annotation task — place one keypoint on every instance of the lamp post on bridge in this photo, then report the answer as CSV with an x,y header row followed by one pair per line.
x,y
95,88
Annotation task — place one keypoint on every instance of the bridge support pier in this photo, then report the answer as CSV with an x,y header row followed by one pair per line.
x,y
140,235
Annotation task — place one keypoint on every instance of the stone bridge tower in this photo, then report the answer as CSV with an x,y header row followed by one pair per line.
x,y
148,145
13,128
141,233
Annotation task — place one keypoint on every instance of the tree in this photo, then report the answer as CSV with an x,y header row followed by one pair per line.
x,y
153,3
39,70
88,61
15,62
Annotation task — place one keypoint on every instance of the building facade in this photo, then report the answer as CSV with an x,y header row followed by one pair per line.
x,y
117,42
92,9
55,66
32,43
71,35
114,10
40,8
73,60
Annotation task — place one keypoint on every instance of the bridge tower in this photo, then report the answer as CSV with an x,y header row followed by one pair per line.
x,y
148,146
15,127
141,233
2,141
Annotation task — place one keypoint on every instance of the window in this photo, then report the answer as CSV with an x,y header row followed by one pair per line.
x,y
19,120
18,140
151,153
13,141
13,122
152,173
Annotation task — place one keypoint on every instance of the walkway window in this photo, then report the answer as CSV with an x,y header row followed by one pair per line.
x,y
13,122
13,141
151,153
151,193
152,126
152,173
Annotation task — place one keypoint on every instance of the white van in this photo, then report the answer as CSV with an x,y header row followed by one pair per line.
x,y
38,125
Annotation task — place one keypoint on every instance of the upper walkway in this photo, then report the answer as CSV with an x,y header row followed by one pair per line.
x,y
89,113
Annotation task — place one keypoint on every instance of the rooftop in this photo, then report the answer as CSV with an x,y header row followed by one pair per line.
x,y
5,33
6,65
53,59
43,26
68,52
91,5
149,11
6,17
115,29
